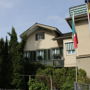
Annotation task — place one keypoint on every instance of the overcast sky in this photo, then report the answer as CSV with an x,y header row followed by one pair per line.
x,y
23,13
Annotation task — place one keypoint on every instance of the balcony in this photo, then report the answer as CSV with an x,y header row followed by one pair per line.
x,y
78,10
54,63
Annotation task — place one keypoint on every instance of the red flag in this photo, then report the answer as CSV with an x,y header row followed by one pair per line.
x,y
75,39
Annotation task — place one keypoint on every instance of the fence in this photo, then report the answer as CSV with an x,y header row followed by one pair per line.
x,y
78,86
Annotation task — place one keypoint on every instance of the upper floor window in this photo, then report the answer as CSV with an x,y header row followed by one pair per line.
x,y
40,35
70,47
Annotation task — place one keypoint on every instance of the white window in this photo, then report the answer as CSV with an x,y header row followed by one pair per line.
x,y
55,53
26,54
40,35
70,48
40,55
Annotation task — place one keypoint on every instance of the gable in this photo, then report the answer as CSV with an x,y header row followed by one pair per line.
x,y
37,26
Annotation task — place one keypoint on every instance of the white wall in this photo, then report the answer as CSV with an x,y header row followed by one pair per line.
x,y
32,44
70,59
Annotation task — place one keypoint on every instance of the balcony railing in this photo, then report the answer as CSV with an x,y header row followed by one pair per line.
x,y
54,63
78,10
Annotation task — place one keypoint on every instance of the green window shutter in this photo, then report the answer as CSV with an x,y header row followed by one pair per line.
x,y
72,46
49,54
67,46
31,55
34,55
45,55
61,51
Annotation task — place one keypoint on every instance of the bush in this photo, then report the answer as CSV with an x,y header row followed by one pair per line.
x,y
62,78
35,85
82,77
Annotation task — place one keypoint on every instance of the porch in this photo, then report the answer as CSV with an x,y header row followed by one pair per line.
x,y
50,57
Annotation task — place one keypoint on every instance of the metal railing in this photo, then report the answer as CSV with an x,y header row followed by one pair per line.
x,y
78,10
55,63
78,86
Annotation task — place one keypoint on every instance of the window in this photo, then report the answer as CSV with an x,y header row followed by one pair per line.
x,y
55,53
33,55
40,35
25,54
40,55
30,55
44,54
70,48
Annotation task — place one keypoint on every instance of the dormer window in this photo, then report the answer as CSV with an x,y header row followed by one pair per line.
x,y
40,36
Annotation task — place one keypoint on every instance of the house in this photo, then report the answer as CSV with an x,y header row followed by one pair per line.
x,y
49,46
40,46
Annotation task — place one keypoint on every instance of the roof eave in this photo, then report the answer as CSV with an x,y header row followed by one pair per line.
x,y
64,36
77,18
42,26
61,38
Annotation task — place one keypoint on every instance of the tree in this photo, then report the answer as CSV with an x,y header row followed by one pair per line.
x,y
5,66
16,60
1,61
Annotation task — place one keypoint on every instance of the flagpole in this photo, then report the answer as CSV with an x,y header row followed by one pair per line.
x,y
76,53
76,68
87,5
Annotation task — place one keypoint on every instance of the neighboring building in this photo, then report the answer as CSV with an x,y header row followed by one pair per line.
x,y
47,45
83,32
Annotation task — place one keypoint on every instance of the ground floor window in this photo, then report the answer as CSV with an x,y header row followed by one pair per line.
x,y
45,54
30,55
26,54
56,53
40,55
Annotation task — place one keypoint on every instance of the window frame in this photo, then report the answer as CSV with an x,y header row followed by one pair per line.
x,y
40,36
40,51
55,53
72,49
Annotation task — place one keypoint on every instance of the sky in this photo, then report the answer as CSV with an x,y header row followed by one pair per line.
x,y
22,14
